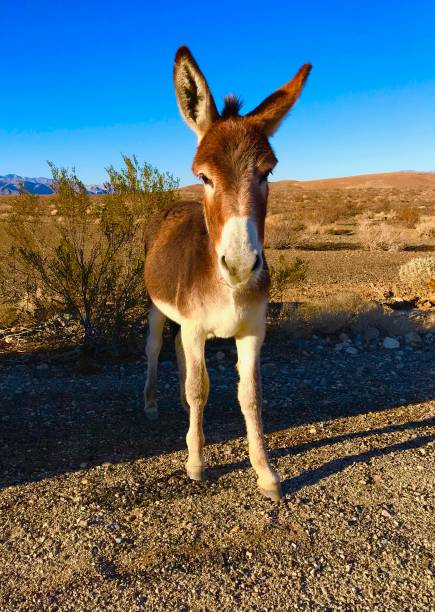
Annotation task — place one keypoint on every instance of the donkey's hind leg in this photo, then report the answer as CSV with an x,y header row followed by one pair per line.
x,y
156,322
181,361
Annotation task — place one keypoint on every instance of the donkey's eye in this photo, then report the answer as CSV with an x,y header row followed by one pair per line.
x,y
265,176
206,180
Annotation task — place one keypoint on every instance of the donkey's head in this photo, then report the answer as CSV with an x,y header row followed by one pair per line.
x,y
233,159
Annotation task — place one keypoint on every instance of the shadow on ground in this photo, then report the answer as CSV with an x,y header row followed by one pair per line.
x,y
56,420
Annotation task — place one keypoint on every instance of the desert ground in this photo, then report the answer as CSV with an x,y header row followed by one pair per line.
x,y
96,511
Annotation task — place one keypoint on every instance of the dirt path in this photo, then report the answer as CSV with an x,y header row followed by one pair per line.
x,y
96,513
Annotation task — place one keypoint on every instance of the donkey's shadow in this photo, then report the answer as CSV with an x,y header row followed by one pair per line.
x,y
69,421
338,464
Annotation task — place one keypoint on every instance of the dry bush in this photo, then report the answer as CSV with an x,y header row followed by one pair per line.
x,y
314,228
409,215
344,313
5,209
279,236
334,206
380,237
426,228
283,274
332,230
419,273
88,260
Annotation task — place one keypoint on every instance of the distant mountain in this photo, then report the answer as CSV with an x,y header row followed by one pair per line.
x,y
11,184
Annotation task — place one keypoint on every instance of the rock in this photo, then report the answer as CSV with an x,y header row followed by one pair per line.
x,y
220,355
351,351
371,333
412,338
340,345
390,343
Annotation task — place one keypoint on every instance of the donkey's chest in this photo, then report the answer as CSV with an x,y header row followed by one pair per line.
x,y
226,320
221,319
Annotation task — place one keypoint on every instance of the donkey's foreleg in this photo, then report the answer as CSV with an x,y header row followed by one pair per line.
x,y
249,393
196,391
156,322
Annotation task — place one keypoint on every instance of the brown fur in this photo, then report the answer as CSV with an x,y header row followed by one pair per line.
x,y
180,259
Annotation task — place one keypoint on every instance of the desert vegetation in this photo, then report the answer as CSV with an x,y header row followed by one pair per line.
x,y
75,259
82,258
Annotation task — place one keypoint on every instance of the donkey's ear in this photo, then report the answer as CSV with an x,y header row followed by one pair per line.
x,y
194,98
269,114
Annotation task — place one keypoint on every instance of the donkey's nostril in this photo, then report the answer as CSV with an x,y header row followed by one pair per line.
x,y
257,263
224,263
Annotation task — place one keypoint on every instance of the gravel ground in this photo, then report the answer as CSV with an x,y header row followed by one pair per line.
x,y
97,514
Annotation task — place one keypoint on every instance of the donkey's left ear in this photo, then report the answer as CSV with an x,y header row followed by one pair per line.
x,y
269,114
194,98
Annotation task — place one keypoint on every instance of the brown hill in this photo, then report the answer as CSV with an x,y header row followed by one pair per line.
x,y
399,180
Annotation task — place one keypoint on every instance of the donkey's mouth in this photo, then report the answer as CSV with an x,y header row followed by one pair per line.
x,y
236,283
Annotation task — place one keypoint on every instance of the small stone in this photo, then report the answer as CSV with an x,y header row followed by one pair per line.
x,y
412,338
344,337
220,355
351,351
312,430
390,343
385,513
83,523
118,540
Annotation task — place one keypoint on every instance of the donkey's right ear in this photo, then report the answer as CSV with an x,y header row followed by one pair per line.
x,y
194,98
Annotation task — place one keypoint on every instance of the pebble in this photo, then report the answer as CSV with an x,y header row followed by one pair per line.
x,y
412,338
390,343
220,355
351,351
344,338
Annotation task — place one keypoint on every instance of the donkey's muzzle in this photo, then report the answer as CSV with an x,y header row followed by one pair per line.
x,y
239,251
239,270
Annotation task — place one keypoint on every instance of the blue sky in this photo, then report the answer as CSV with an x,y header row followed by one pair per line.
x,y
83,82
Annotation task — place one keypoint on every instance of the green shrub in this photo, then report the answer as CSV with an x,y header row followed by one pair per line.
x,y
87,261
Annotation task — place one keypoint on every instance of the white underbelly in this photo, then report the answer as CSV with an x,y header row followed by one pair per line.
x,y
219,320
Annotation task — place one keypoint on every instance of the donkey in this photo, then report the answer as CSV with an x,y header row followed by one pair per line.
x,y
205,268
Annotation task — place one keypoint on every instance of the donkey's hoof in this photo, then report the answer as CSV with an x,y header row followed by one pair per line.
x,y
275,494
195,472
151,410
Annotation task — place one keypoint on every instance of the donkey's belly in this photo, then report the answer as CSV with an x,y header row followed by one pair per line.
x,y
219,320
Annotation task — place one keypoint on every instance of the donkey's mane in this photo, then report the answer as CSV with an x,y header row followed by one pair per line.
x,y
232,106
